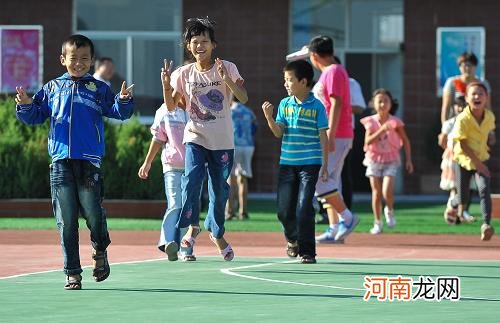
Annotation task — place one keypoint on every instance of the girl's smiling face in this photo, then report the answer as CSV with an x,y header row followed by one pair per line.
x,y
201,47
476,97
382,104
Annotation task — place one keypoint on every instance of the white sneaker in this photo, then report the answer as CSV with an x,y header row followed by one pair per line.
x,y
328,236
377,228
389,217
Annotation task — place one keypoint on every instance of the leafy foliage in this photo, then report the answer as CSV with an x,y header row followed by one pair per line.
x,y
24,161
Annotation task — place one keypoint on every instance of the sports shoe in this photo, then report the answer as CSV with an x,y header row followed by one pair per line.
x,y
344,229
389,217
377,228
171,249
187,257
467,217
487,232
328,236
307,259
450,214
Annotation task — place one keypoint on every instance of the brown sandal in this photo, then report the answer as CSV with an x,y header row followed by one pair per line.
x,y
101,266
292,249
73,282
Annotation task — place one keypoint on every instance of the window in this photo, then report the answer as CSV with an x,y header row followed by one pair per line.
x,y
137,35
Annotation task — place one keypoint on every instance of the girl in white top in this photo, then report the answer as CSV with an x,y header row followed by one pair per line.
x,y
206,87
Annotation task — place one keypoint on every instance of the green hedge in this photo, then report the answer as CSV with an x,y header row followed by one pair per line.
x,y
24,161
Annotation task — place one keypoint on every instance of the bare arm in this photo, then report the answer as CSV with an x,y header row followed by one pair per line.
x,y
154,147
171,97
276,128
446,103
323,139
407,148
370,137
236,88
333,120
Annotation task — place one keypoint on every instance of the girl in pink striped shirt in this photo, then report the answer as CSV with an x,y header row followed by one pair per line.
x,y
385,135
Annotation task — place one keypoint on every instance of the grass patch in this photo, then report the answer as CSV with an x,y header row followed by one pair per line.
x,y
421,217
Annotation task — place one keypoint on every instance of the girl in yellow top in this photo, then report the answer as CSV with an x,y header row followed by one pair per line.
x,y
470,134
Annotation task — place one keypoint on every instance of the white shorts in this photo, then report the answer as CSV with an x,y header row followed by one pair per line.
x,y
382,170
242,162
335,165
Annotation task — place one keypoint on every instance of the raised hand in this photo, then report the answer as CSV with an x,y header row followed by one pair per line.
x,y
126,92
21,96
165,73
221,69
268,109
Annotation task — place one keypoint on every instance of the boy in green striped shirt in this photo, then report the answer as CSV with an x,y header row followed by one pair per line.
x,y
301,122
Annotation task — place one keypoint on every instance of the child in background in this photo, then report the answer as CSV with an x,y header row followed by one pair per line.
x,y
445,140
384,136
301,121
206,86
76,103
168,130
471,154
244,125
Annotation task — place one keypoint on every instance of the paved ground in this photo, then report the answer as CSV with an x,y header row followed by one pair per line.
x,y
30,251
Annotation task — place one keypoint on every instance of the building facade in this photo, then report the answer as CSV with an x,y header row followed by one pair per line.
x,y
382,43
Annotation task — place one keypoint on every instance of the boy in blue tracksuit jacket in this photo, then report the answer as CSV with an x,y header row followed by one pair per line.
x,y
75,103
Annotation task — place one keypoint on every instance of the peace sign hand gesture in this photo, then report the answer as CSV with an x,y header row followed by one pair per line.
x,y
165,74
221,69
21,96
126,92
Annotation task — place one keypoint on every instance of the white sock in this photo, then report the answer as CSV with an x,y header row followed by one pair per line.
x,y
345,216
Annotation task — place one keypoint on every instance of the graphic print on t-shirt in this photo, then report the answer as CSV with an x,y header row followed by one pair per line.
x,y
206,103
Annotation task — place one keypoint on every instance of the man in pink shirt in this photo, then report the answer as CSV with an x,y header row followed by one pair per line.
x,y
333,91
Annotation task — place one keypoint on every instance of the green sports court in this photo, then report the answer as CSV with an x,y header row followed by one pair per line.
x,y
250,290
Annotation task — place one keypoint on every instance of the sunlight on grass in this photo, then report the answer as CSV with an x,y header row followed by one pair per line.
x,y
411,217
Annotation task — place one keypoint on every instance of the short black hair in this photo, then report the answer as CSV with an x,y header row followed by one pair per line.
x,y
321,45
197,27
460,101
467,57
476,83
302,70
77,41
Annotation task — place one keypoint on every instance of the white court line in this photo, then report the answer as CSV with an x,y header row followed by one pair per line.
x,y
60,270
89,266
229,271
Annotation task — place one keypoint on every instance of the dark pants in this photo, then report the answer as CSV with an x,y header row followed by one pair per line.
x,y
76,186
462,178
296,186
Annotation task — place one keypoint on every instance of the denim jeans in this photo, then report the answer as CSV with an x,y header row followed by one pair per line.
x,y
218,163
296,186
173,192
76,187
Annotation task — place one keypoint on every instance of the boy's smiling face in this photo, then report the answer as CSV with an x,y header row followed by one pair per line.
x,y
476,97
77,60
201,47
292,85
